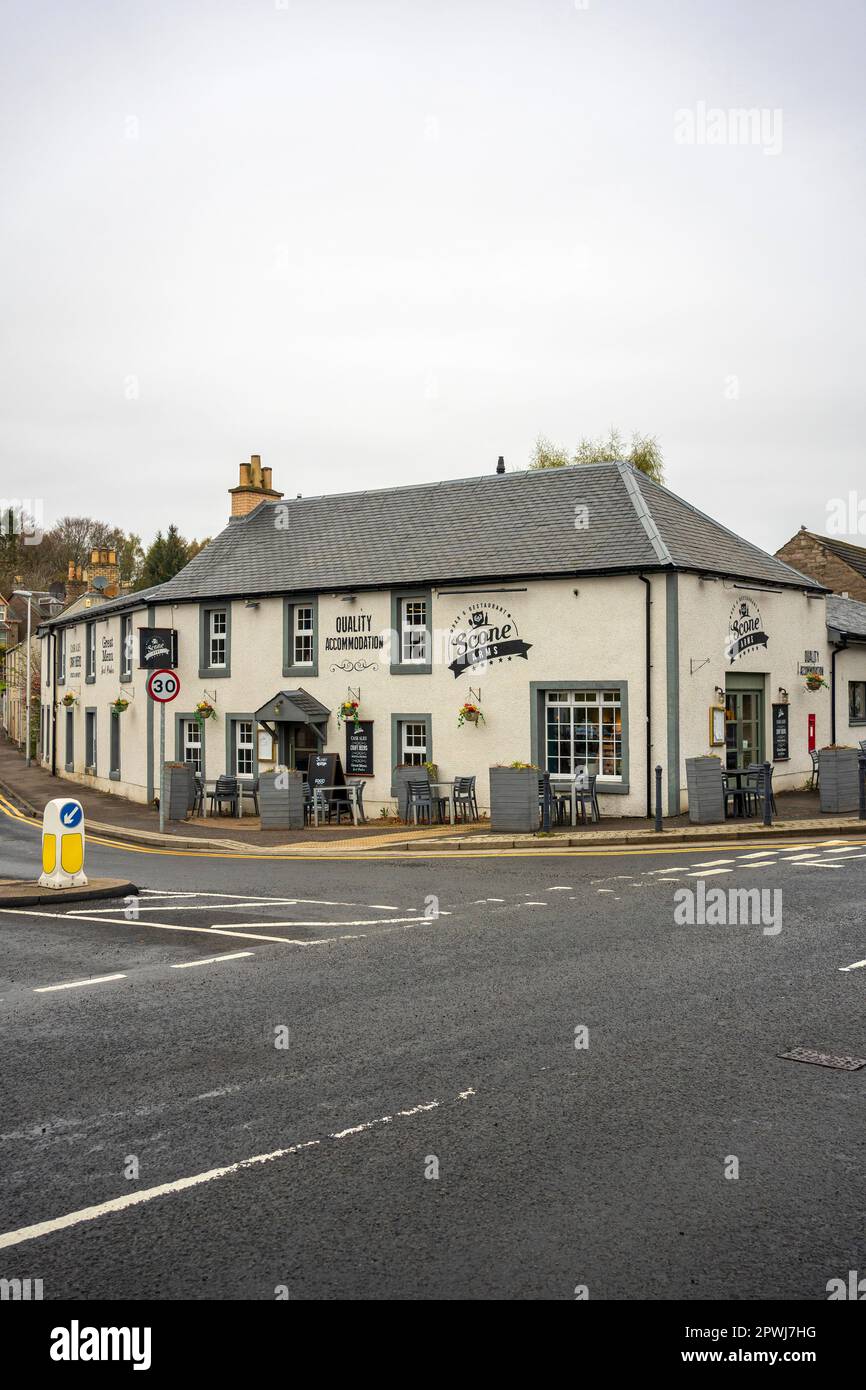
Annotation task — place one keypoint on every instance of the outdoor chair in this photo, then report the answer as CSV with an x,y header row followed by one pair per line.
x,y
198,795
587,796
225,793
251,789
556,810
359,784
816,769
741,797
421,801
863,745
758,770
308,803
465,801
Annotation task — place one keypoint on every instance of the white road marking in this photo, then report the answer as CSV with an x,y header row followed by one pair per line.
x,y
494,900
213,960
604,890
707,873
849,849
799,858
362,922
560,888
817,864
858,965
166,1189
534,904
711,863
761,854
78,984
384,907
158,926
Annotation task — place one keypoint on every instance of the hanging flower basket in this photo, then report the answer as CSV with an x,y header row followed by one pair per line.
x,y
816,682
469,714
347,711
119,705
204,710
68,699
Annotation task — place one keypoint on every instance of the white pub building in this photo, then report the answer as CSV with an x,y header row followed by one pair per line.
x,y
596,620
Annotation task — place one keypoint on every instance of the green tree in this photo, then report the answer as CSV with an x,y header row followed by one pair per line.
x,y
165,558
643,453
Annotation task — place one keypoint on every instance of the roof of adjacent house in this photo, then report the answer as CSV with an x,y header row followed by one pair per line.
x,y
846,615
605,518
853,555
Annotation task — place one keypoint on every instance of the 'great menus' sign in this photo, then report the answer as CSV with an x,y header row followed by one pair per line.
x,y
745,629
780,734
359,748
157,646
480,636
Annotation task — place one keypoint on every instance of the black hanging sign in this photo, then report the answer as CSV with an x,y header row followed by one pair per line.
x,y
359,748
781,752
157,647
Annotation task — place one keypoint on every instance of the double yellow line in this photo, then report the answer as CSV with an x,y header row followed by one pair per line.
x,y
359,856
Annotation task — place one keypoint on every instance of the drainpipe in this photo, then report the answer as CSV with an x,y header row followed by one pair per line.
x,y
54,703
837,648
649,709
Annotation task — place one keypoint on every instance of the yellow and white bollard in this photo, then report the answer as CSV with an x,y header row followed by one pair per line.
x,y
63,845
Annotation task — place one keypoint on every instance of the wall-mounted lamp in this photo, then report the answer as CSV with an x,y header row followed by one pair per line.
x,y
720,695
783,695
251,603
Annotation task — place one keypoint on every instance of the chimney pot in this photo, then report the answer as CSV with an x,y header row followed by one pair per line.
x,y
500,464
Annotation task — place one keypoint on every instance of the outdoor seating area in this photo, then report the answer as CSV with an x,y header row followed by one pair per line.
x,y
744,791
437,802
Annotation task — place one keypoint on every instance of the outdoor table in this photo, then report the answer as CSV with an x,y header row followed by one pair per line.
x,y
452,810
354,792
738,773
571,780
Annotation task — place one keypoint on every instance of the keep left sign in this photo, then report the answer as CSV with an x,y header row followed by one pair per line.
x,y
63,844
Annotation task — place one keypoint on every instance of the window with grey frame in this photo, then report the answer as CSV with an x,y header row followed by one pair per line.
x,y
114,747
414,641
126,652
217,636
303,634
583,731
413,743
244,743
90,739
61,656
857,702
90,644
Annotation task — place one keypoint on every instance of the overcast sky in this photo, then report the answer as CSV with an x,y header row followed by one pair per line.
x,y
383,242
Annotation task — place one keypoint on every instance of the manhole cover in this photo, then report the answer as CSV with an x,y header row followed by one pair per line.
x,y
824,1059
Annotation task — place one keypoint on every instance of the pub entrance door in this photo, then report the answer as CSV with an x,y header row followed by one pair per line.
x,y
744,726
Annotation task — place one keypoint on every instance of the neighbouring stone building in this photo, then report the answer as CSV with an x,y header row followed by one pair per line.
x,y
838,565
597,620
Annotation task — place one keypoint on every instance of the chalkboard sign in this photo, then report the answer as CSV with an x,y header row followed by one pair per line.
x,y
325,770
781,752
359,748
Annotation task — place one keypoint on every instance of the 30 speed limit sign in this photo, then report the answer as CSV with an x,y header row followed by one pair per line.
x,y
163,686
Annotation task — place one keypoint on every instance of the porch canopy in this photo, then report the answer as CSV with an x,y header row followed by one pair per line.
x,y
288,716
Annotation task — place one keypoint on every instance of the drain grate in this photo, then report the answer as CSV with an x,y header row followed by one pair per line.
x,y
824,1059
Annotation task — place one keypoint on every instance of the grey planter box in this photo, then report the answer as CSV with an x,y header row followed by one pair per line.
x,y
400,779
514,799
705,789
179,790
281,800
838,781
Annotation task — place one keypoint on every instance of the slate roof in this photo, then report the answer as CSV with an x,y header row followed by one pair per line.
x,y
846,615
853,555
497,526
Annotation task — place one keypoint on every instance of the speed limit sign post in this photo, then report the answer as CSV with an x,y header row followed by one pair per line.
x,y
163,687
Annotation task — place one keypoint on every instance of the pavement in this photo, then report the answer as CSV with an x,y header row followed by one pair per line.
x,y
505,1078
111,815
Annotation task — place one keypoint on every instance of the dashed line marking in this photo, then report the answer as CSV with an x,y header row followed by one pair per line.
x,y
707,873
858,965
711,863
212,960
167,1189
78,984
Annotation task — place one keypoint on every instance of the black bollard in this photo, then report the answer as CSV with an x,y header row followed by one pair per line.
x,y
658,797
862,770
545,803
768,792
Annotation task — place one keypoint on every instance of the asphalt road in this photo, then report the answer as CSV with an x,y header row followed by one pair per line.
x,y
353,1046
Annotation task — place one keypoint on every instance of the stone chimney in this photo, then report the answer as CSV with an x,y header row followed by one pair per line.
x,y
254,487
75,583
103,565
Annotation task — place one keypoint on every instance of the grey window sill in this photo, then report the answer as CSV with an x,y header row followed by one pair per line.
x,y
114,776
213,673
419,668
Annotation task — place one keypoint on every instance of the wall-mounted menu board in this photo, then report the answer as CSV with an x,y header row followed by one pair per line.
x,y
781,752
359,748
